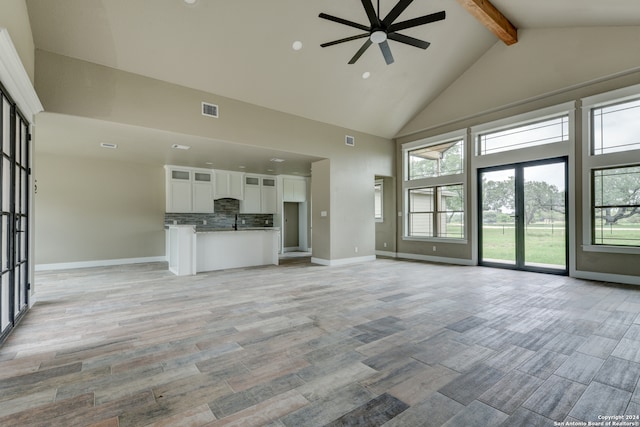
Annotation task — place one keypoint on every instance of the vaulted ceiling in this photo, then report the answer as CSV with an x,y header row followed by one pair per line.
x,y
242,49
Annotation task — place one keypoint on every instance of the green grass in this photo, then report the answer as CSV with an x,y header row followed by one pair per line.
x,y
543,244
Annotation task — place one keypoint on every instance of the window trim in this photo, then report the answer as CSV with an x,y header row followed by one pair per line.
x,y
439,181
591,162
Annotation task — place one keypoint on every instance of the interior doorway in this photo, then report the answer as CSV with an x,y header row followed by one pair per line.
x,y
523,216
291,227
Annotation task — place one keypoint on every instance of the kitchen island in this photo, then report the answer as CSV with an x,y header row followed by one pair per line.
x,y
193,249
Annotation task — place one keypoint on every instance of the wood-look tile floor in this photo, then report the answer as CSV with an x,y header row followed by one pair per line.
x,y
389,342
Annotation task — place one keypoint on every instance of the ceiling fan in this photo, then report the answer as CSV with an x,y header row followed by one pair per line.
x,y
381,30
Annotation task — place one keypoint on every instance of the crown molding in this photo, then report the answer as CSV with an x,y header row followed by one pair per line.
x,y
15,79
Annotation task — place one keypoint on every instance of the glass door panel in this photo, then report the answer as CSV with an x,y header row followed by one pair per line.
x,y
545,234
523,216
498,220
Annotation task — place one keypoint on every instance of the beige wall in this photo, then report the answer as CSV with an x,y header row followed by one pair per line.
x,y
546,67
79,88
15,18
90,209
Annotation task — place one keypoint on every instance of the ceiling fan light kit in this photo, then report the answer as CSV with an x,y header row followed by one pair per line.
x,y
380,31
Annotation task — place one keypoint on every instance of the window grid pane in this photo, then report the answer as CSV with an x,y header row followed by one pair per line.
x,y
616,127
523,136
616,206
436,160
436,212
451,211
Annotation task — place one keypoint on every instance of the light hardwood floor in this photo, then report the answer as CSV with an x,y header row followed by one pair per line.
x,y
389,342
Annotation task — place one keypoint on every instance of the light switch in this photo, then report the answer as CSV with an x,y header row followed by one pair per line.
x,y
323,213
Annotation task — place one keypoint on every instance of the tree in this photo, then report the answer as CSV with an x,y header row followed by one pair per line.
x,y
618,193
541,198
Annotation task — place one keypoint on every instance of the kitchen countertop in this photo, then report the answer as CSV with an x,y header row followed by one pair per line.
x,y
211,229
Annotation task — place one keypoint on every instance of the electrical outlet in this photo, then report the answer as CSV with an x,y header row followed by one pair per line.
x,y
385,244
243,222
434,249
204,222
355,249
266,221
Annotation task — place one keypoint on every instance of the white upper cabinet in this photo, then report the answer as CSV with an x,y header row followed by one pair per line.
x,y
229,185
189,190
268,195
295,190
202,192
252,194
259,195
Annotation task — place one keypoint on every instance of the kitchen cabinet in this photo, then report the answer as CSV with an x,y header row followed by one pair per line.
x,y
229,184
189,190
252,195
259,195
268,196
295,190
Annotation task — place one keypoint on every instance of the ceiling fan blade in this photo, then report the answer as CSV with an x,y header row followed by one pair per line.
x,y
346,39
386,52
371,13
427,19
396,11
408,40
344,22
359,53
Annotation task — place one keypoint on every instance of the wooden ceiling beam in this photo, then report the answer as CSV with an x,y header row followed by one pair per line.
x,y
492,18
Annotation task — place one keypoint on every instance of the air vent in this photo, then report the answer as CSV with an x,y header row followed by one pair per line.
x,y
350,140
108,145
209,110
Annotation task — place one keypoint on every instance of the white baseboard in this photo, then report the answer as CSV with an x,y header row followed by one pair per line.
x,y
343,261
606,277
443,260
387,254
98,263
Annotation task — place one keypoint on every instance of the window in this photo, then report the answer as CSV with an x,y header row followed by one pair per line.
x,y
434,188
378,192
616,127
611,162
524,135
436,212
436,160
616,206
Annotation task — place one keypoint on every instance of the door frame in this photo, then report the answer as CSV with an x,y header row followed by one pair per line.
x,y
520,226
16,236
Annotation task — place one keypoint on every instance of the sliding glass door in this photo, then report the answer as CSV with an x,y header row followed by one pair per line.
x,y
14,211
523,216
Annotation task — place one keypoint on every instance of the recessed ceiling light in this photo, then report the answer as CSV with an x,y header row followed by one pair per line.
x,y
180,147
108,145
366,75
277,160
297,45
208,163
269,170
242,167
190,2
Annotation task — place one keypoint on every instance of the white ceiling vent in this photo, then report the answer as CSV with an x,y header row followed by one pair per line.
x,y
350,140
210,110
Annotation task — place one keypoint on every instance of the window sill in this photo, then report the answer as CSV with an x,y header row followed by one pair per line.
x,y
612,249
435,240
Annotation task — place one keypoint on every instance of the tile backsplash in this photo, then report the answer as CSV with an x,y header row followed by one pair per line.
x,y
224,214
